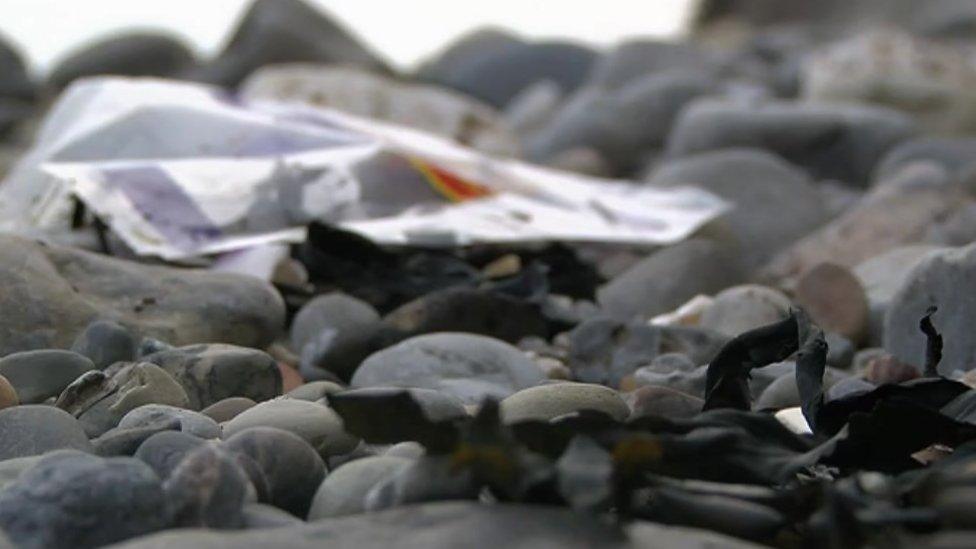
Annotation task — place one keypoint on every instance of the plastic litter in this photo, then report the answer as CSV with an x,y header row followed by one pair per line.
x,y
178,170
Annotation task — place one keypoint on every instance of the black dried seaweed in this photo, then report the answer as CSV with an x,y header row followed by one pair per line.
x,y
733,471
727,380
389,417
336,258
933,343
811,363
930,394
885,438
728,515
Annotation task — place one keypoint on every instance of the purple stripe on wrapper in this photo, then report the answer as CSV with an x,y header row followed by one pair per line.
x,y
164,205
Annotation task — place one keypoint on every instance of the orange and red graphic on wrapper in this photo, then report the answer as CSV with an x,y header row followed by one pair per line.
x,y
449,185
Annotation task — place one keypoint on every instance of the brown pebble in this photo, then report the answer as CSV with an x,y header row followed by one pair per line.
x,y
888,369
290,378
835,300
8,395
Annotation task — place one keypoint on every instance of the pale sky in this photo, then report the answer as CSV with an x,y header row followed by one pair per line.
x,y
405,31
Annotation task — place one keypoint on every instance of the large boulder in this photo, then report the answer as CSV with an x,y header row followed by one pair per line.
x,y
42,374
945,280
51,293
882,276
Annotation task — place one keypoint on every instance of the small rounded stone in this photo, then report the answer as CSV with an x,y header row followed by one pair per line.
x,y
106,342
164,451
743,308
285,470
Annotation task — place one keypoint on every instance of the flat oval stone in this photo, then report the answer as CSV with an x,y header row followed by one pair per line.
x,y
228,408
191,422
545,402
469,367
42,374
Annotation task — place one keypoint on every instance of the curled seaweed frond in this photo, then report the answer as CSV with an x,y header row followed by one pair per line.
x,y
933,343
727,379
811,363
